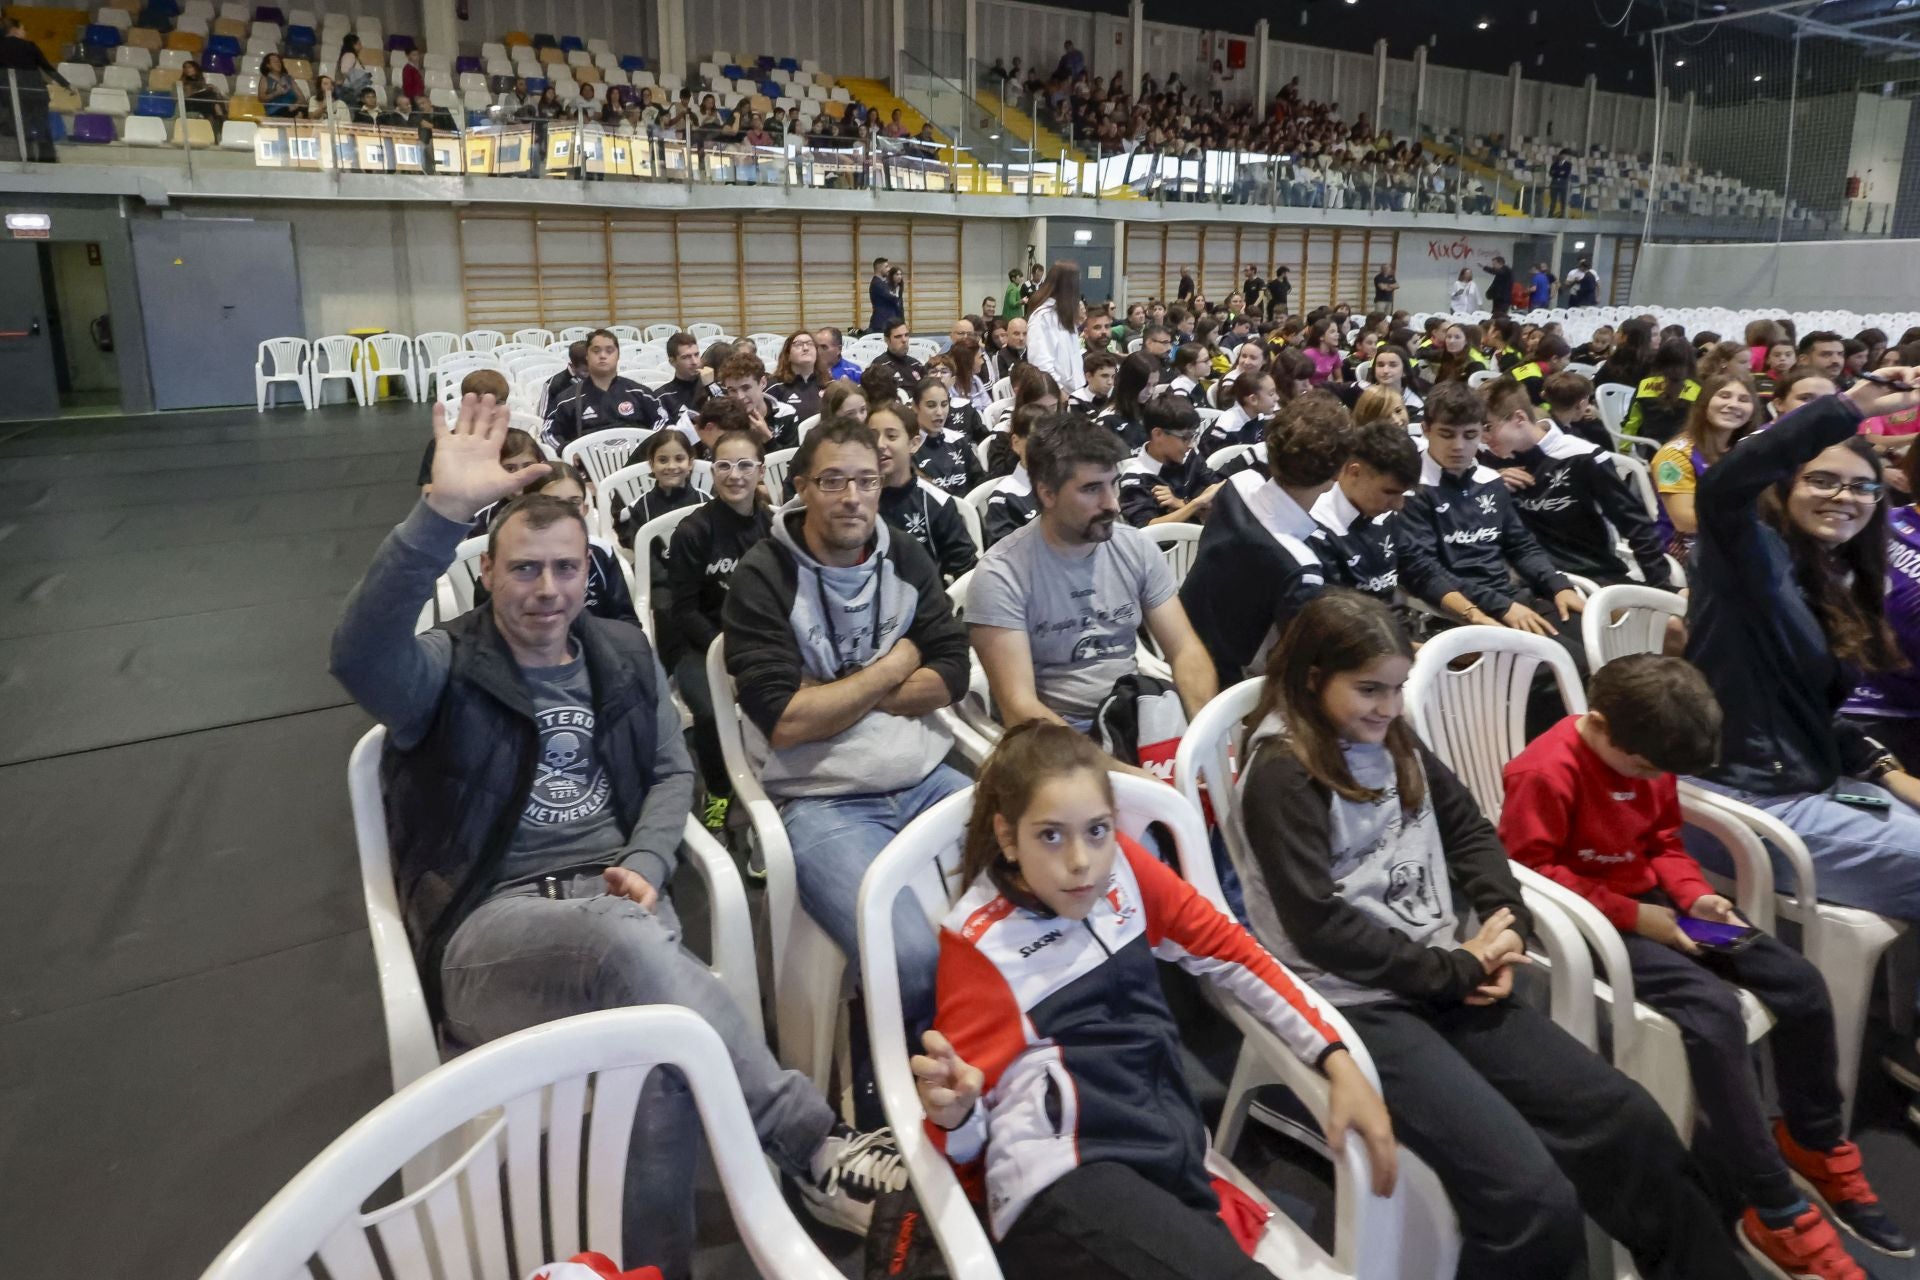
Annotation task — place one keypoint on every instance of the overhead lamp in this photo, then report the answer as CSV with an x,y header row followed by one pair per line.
x,y
1579,245
1679,62
1483,24
1756,79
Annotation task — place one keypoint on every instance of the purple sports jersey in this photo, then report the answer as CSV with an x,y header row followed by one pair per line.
x,y
1897,693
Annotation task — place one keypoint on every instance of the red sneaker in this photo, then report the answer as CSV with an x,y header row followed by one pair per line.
x,y
1834,1181
1807,1250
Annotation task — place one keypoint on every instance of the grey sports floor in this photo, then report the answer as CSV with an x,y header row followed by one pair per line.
x,y
187,1005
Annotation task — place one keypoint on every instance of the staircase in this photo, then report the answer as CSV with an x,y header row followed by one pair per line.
x,y
883,102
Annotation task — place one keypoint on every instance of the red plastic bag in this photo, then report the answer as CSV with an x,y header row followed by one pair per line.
x,y
592,1266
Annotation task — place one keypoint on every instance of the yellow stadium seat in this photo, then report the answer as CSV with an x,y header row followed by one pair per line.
x,y
516,37
833,109
143,38
194,130
824,80
64,100
186,40
299,68
162,79
242,107
551,55
586,75
230,27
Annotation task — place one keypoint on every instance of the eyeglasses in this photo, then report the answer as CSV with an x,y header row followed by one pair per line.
x,y
1825,484
834,482
742,467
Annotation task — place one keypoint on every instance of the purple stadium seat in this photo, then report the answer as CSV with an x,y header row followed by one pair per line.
x,y
218,63
468,65
89,127
269,13
400,44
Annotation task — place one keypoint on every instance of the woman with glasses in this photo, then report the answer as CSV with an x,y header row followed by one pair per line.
x,y
700,561
1789,584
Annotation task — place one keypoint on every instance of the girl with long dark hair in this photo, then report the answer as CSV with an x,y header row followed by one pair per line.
x,y
1053,323
1727,408
1665,396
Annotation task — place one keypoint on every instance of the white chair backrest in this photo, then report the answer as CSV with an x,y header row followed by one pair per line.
x,y
1639,477
393,352
658,332
482,340
625,334
1221,457
1179,543
974,518
1480,377
334,353
280,357
463,574
774,472
705,332
1474,718
656,532
1627,619
631,482
601,453
435,346
806,425
1209,761
557,1103
574,333
1613,401
533,337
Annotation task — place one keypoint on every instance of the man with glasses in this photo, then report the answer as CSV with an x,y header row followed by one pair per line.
x,y
842,646
1167,481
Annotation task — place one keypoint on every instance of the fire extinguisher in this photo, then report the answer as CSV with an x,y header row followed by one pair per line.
x,y
1853,186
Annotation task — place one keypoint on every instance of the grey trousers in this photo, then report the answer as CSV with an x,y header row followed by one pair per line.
x,y
522,959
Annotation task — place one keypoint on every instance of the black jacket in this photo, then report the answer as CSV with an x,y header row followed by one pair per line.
x,y
1752,631
454,799
948,460
1128,429
1260,560
1139,475
1576,506
1011,504
1500,291
1363,551
1462,533
801,396
700,561
680,399
905,369
931,516
585,408
1230,428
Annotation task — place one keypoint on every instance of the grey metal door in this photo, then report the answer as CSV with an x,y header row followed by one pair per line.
x,y
212,290
29,386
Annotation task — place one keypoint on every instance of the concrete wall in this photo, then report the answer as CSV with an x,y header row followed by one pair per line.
x,y
1859,275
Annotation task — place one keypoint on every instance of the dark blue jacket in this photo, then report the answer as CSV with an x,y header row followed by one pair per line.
x,y
1752,631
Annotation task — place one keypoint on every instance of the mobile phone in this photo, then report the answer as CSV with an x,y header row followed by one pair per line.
x,y
1882,380
1862,800
1715,936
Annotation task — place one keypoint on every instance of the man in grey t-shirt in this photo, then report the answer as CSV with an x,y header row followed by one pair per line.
x,y
1054,610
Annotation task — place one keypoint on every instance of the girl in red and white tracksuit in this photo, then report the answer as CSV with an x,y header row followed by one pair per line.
x,y
1052,1079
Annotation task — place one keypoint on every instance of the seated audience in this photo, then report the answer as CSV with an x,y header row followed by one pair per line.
x,y
1788,585
1570,406
963,421
1100,369
943,454
1248,359
1367,856
1135,385
798,378
842,645
1255,398
606,593
1826,351
909,499
743,380
1012,504
602,398
1725,411
1056,606
1166,481
682,396
1116,1184
1360,514
1262,556
1191,367
562,382
1592,805
1391,368
1665,397
1549,357
895,359
1570,497
556,822
705,549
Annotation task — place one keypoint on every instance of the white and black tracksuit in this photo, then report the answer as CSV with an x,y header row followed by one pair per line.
x,y
929,515
1011,505
1260,559
586,409
947,460
1578,504
1139,475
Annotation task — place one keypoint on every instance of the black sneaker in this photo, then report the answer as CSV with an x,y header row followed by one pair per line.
x,y
851,1171
1902,1062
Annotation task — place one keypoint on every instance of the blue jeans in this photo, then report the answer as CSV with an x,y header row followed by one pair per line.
x,y
835,839
1866,858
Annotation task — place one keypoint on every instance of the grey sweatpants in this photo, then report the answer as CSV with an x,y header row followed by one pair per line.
x,y
522,959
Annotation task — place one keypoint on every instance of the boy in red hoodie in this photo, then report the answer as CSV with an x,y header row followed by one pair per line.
x,y
1592,804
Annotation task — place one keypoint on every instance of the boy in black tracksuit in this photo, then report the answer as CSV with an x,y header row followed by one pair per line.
x,y
930,516
592,405
1575,504
1167,462
1261,556
1465,541
700,561
1360,514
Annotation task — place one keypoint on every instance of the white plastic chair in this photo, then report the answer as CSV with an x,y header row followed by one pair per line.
x,y
807,967
1233,452
626,334
706,333
1473,718
1179,542
1627,619
1480,377
533,337
658,332
394,353
1613,401
1370,1234
282,360
482,340
554,1106
654,533
336,358
806,425
601,453
429,350
574,333
971,516
773,470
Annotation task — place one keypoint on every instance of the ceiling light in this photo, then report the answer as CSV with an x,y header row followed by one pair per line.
x,y
1483,24
1679,62
1756,79
1579,244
